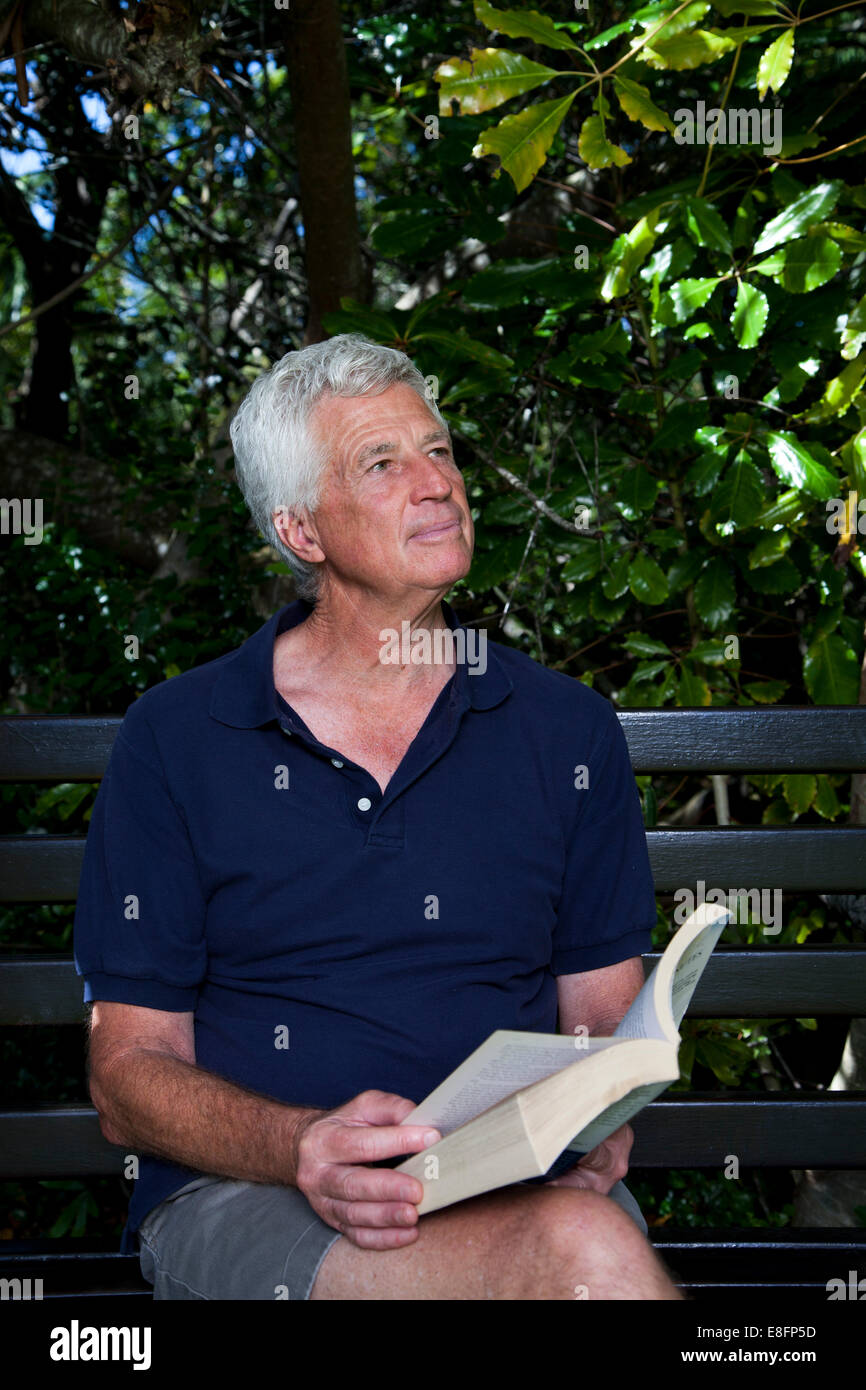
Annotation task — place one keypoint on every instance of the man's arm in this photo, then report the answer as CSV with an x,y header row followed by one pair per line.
x,y
597,1000
152,1097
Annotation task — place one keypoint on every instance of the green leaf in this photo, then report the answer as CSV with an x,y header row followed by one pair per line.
x,y
705,472
647,671
638,105
627,253
646,580
794,464
509,282
636,492
491,567
613,32
522,141
715,594
753,7
523,24
685,569
826,801
781,578
786,510
772,265
594,347
854,332
584,565
487,79
405,234
352,317
766,692
677,19
712,651
769,549
461,346
594,148
706,226
687,50
740,494
831,671
749,318
605,610
775,63
799,791
693,690
616,582
851,239
840,393
797,217
809,263
688,295
639,644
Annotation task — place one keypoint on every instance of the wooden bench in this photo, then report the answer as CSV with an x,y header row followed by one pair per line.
x,y
766,1129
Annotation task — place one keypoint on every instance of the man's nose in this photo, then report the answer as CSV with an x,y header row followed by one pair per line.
x,y
431,477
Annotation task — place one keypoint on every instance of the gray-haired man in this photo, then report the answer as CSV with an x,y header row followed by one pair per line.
x,y
346,873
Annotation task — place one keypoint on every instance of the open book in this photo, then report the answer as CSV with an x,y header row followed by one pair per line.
x,y
521,1101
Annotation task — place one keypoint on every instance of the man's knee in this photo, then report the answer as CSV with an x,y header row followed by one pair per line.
x,y
572,1237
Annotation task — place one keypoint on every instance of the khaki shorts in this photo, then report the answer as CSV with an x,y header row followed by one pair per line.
x,y
218,1238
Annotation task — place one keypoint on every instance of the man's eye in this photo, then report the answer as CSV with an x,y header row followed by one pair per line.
x,y
381,463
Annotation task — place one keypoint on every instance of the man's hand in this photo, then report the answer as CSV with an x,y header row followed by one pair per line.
x,y
376,1208
603,1166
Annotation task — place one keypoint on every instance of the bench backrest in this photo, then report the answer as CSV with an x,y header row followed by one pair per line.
x,y
821,1129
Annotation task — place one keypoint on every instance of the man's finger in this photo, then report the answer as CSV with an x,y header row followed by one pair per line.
x,y
379,1108
381,1215
356,1184
348,1143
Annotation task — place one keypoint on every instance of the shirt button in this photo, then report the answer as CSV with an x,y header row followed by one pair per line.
x,y
364,804
336,762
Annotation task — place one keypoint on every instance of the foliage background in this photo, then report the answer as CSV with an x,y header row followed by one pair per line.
x,y
650,354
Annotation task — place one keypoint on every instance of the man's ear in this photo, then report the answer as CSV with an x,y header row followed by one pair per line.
x,y
298,532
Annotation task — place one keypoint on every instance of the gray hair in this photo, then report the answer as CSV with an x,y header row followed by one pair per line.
x,y
278,461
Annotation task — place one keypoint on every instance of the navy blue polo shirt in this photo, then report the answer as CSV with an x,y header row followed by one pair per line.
x,y
331,938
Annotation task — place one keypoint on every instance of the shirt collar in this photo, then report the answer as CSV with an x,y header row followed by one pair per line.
x,y
244,696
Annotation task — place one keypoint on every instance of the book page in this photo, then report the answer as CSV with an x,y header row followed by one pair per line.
x,y
505,1063
615,1116
642,1021
657,1011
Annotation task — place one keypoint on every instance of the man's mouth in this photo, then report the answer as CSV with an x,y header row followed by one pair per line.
x,y
440,529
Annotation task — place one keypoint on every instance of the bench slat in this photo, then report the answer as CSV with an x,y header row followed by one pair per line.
x,y
775,982
820,859
818,1129
55,748
787,738
781,738
762,1259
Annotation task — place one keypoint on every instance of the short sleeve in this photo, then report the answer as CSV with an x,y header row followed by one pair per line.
x,y
139,934
607,908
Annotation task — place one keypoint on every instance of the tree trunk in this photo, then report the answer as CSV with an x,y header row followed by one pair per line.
x,y
319,85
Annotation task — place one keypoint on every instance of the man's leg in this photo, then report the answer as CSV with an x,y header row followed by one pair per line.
x,y
540,1244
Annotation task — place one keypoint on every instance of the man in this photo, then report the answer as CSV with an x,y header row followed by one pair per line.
x,y
316,879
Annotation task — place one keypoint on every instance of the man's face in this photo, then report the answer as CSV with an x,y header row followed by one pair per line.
x,y
393,513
